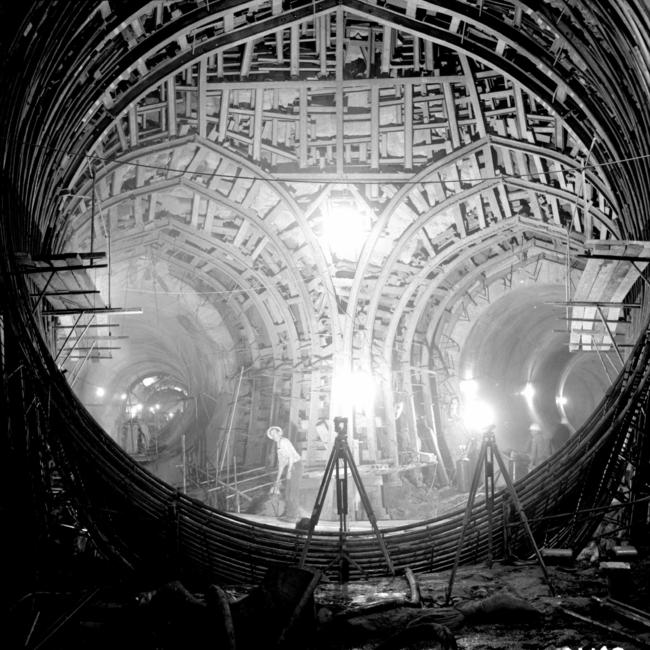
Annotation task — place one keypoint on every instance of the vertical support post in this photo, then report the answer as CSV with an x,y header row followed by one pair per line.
x,y
184,465
303,136
294,52
232,419
171,106
339,98
258,124
201,114
223,114
374,127
408,125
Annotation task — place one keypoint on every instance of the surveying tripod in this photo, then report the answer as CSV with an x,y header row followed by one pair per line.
x,y
339,462
486,456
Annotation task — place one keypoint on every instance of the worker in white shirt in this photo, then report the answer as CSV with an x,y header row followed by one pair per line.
x,y
289,459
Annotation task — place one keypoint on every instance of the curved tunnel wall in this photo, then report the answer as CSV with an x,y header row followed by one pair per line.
x,y
71,113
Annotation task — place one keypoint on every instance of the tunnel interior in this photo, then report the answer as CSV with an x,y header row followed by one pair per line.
x,y
351,213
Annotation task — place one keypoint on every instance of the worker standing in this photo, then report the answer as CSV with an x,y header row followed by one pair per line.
x,y
288,458
540,446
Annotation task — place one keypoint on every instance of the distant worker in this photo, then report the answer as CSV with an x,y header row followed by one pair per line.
x,y
290,459
540,446
561,435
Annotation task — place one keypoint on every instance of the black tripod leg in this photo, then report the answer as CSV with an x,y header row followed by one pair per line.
x,y
489,497
468,513
368,508
318,504
524,520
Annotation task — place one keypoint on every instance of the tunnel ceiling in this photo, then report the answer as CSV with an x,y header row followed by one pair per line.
x,y
209,148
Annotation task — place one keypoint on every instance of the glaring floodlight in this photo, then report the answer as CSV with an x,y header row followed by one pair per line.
x,y
123,396
478,416
355,390
345,228
134,410
560,400
100,392
468,388
528,392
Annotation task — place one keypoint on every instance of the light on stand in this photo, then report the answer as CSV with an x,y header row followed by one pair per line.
x,y
478,416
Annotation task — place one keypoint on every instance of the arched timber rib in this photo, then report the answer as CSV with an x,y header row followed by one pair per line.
x,y
146,522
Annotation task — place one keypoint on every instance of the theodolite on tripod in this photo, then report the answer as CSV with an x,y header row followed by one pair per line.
x,y
339,462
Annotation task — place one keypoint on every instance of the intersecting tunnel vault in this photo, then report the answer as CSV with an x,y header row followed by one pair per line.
x,y
221,144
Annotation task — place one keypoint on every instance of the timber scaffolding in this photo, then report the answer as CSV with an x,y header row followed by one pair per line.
x,y
85,107
146,524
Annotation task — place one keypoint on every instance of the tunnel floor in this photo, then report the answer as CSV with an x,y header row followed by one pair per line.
x,y
502,607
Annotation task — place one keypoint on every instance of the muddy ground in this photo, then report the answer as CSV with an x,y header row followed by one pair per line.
x,y
527,616
507,606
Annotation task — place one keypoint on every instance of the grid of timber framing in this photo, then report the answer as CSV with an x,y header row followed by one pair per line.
x,y
94,93
252,100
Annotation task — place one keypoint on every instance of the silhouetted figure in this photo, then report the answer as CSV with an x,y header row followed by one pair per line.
x,y
561,436
540,446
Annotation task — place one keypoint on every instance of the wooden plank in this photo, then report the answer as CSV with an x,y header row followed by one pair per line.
x,y
294,64
194,214
408,126
209,217
245,68
386,49
450,107
322,42
152,207
374,127
257,124
133,126
223,114
220,64
201,108
259,248
521,112
473,95
171,106
416,53
428,56
340,123
120,133
303,132
241,233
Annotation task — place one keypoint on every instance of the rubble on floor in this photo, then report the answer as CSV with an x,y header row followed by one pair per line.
x,y
505,606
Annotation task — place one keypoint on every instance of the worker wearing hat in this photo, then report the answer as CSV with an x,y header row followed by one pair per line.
x,y
290,459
